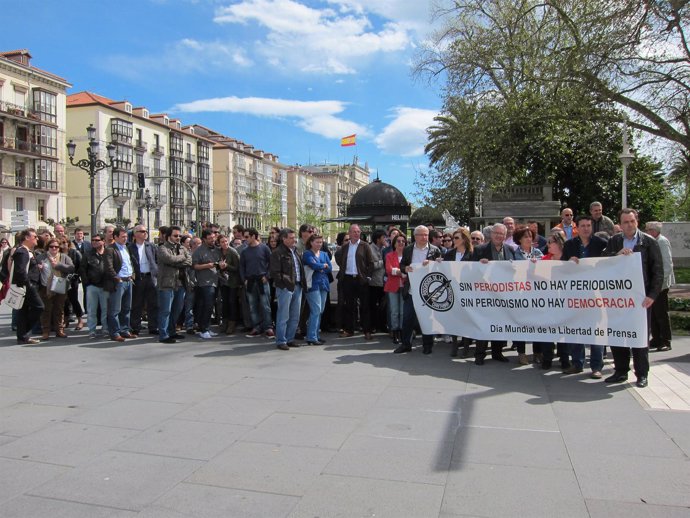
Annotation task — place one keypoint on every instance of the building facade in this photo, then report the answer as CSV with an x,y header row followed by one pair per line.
x,y
344,180
32,141
309,198
250,185
176,165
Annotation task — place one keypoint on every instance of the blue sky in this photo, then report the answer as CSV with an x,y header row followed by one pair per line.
x,y
288,76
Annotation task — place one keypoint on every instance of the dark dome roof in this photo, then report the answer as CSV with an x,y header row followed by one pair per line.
x,y
377,194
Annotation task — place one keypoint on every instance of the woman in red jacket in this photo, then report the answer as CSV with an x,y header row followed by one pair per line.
x,y
393,287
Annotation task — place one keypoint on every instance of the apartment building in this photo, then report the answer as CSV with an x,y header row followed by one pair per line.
x,y
250,185
32,140
344,180
309,198
175,162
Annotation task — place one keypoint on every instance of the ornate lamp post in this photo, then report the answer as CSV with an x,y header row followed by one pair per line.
x,y
626,157
149,203
91,165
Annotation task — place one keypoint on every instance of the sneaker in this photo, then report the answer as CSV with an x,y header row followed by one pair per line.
x,y
205,335
93,335
212,333
253,333
269,333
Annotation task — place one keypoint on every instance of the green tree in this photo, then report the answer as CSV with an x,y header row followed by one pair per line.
x,y
632,53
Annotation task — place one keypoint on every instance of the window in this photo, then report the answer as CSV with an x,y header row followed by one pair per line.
x,y
41,210
45,106
176,144
121,131
122,183
123,157
19,204
139,141
45,138
45,175
203,152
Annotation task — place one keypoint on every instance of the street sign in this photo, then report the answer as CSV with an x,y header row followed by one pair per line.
x,y
19,220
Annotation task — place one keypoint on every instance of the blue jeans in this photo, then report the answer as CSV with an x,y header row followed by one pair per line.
x,y
287,318
170,305
596,356
95,296
317,303
395,310
119,306
260,306
189,301
206,297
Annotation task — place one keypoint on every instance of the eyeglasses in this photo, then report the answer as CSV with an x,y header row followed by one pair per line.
x,y
476,238
96,239
142,231
175,235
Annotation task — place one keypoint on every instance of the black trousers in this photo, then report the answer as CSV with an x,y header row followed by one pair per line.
x,y
353,291
378,309
621,360
496,348
144,295
661,323
72,302
30,313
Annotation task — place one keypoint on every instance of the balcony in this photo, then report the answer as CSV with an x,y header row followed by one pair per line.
x,y
140,145
18,112
117,138
190,157
18,147
25,182
158,150
177,200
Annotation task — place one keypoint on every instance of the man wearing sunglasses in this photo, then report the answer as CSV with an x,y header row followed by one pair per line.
x,y
173,260
145,293
92,273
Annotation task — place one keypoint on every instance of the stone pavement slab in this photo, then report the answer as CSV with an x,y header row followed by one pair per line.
x,y
233,427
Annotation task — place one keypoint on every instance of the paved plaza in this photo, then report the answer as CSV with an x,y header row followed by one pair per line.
x,y
232,427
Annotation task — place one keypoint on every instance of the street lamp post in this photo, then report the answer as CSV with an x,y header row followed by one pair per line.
x,y
626,157
149,203
91,165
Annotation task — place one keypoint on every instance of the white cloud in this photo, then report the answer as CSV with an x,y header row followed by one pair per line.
x,y
185,56
318,117
303,38
406,134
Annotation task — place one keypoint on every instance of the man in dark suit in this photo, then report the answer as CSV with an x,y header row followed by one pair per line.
x,y
584,244
495,250
356,263
144,257
415,255
629,241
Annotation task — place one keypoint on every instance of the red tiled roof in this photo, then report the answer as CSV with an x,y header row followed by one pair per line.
x,y
84,98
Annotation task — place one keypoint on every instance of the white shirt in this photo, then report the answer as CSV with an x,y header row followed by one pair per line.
x,y
351,266
143,260
419,255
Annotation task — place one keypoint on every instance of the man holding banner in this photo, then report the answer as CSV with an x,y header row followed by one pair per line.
x,y
416,255
495,250
631,240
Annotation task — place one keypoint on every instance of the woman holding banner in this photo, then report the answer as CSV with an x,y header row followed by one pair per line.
x,y
461,251
523,238
554,249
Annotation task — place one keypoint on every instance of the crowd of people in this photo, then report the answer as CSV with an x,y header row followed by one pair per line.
x,y
181,285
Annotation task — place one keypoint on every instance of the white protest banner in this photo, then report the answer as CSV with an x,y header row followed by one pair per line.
x,y
598,301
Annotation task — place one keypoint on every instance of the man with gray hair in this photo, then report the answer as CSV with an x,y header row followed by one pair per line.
x,y
600,223
494,250
660,322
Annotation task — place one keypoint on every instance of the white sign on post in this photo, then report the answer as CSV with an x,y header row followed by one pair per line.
x,y
19,220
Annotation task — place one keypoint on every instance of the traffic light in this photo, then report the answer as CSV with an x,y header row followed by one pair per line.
x,y
141,180
192,226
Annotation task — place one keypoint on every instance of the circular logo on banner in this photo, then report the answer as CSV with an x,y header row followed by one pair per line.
x,y
436,292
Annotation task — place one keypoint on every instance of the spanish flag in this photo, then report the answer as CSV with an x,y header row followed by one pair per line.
x,y
348,141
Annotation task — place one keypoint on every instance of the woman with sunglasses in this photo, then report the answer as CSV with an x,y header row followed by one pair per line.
x,y
461,251
55,263
393,286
